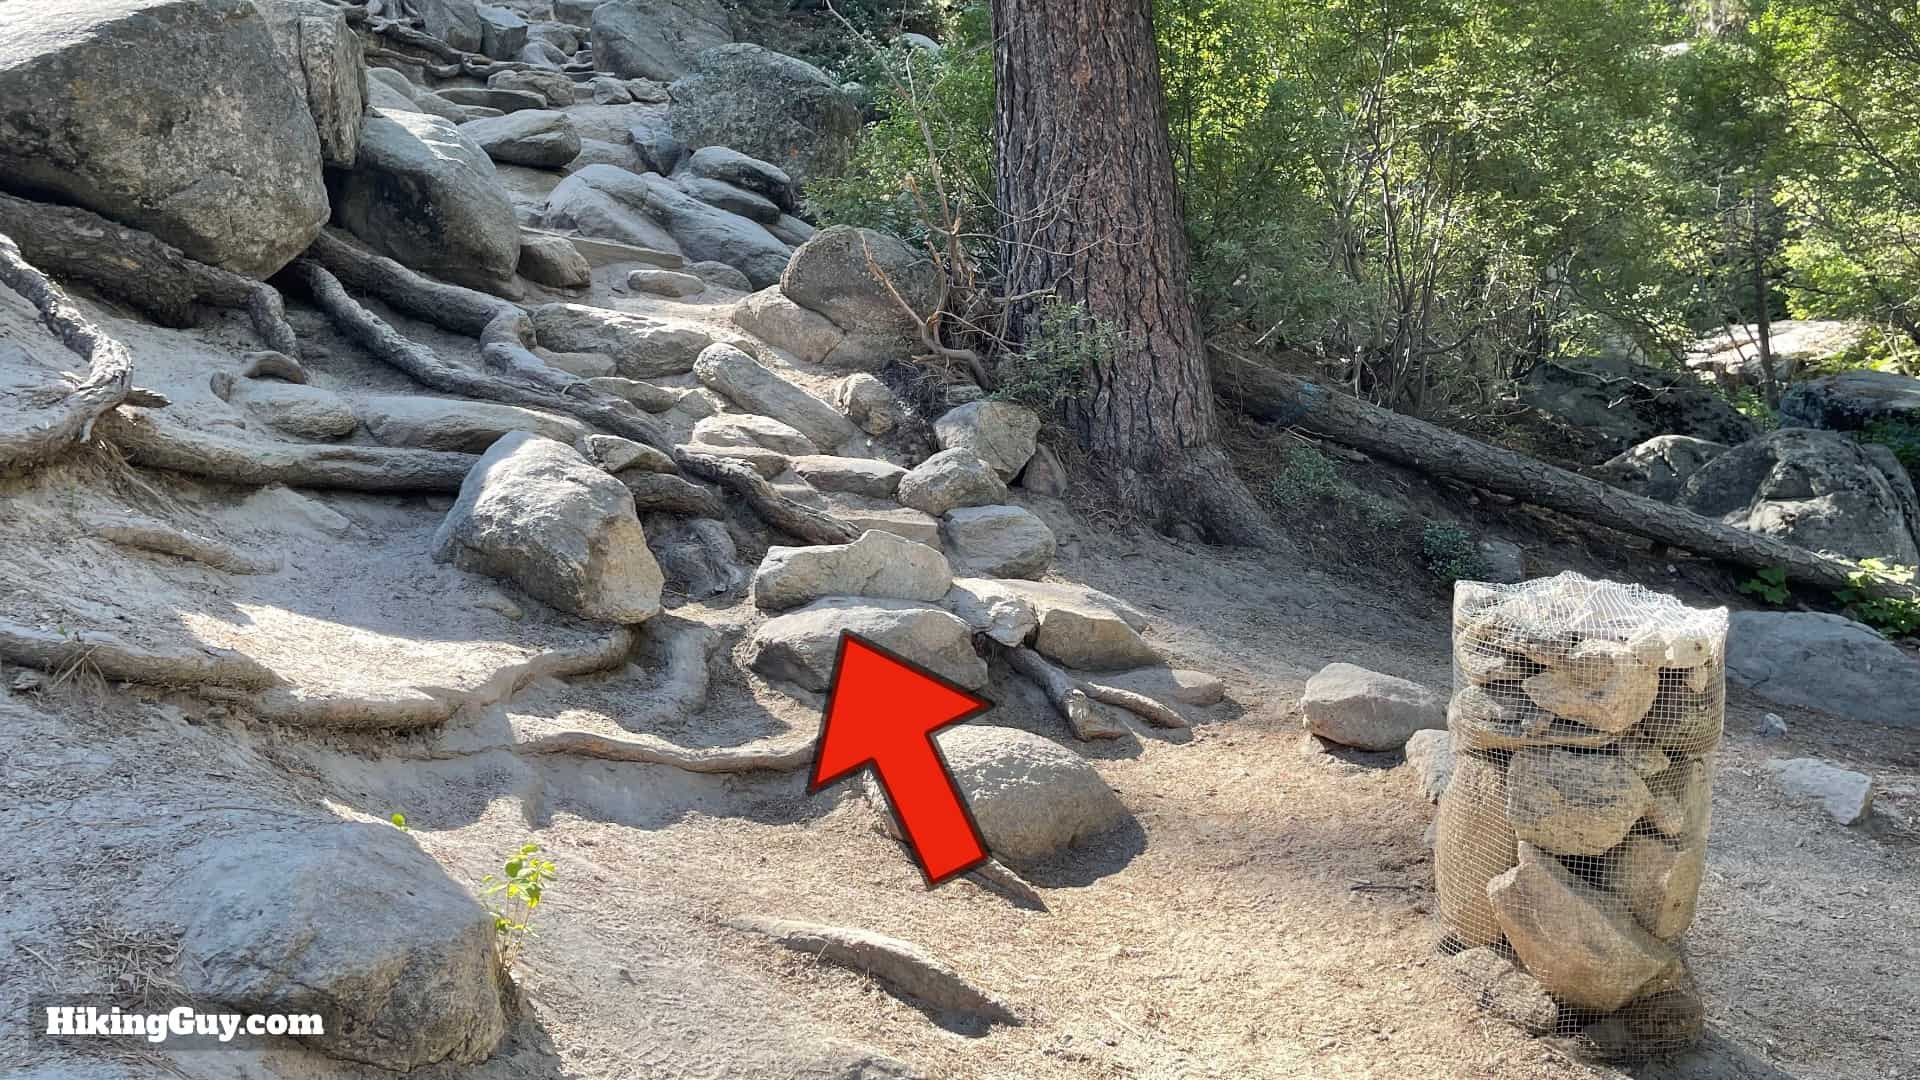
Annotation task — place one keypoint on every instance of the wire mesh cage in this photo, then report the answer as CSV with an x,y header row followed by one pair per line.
x,y
1572,837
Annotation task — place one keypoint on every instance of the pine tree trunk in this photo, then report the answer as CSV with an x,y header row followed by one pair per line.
x,y
1091,217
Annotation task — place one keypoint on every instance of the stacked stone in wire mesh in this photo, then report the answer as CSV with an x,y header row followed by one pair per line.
x,y
1572,837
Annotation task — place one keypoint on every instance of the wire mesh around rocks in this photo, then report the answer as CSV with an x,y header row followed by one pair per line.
x,y
1573,834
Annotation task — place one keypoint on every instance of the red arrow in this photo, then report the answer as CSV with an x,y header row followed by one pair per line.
x,y
882,710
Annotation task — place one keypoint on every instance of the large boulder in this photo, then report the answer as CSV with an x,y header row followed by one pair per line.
x,y
833,274
1031,797
1824,662
1852,400
1618,405
535,512
641,347
730,166
328,66
1367,710
949,480
998,542
425,195
800,647
172,116
1818,489
537,138
742,380
351,920
701,232
783,324
656,39
877,564
1001,433
1660,467
488,29
767,105
577,203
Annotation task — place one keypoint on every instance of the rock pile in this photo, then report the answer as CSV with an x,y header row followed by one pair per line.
x,y
1573,832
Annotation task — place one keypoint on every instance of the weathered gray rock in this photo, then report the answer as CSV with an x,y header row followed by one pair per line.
x,y
656,39
1851,400
576,12
1621,405
1502,561
575,203
1032,797
1571,803
767,463
866,401
949,480
702,232
661,282
740,379
551,259
754,207
854,476
536,138
1077,626
1001,614
390,90
1473,845
501,102
608,90
1364,709
1824,662
1578,941
1845,794
833,274
768,105
736,429
791,231
997,541
900,521
1430,755
1818,489
352,920
999,433
697,555
1661,882
424,195
653,140
537,513
487,29
645,395
721,276
552,87
1502,989
1044,474
768,315
328,66
800,646
642,348
748,173
172,116
437,423
305,412
877,564
585,365
615,454
1660,467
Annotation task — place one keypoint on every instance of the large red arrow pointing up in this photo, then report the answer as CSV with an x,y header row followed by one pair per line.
x,y
882,710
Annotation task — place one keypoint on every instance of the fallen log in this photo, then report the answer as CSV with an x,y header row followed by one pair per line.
x,y
1279,398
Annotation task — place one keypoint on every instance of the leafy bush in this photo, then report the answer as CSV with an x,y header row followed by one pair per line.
x,y
1769,583
1892,616
1306,476
1900,436
524,883
1450,552
1054,367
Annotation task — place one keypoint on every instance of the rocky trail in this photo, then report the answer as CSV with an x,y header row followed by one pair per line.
x,y
448,413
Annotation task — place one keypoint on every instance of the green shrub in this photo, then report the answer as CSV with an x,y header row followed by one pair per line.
x,y
1769,583
1450,552
1900,436
1307,476
1054,367
1893,617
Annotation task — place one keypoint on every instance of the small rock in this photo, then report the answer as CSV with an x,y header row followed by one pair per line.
x,y
998,541
949,480
1571,803
1032,797
653,399
305,412
1004,616
1502,989
1574,938
867,402
768,315
1578,691
665,282
1364,709
735,429
615,454
878,564
536,138
555,88
1680,800
534,511
643,348
854,476
1044,474
699,558
553,260
1846,794
720,275
999,433
1430,753
1770,726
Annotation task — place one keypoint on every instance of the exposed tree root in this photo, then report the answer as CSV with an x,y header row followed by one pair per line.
x,y
905,966
1072,703
66,416
459,62
783,754
139,268
122,661
1153,712
258,462
497,322
1280,398
148,534
994,876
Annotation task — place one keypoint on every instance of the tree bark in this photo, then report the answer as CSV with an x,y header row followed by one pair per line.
x,y
1091,216
1284,399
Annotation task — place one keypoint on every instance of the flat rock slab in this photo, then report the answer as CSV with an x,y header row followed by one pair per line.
x,y
868,477
800,647
1845,794
642,348
878,564
1824,662
740,379
436,423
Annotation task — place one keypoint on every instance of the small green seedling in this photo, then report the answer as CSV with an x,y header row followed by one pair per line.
x,y
1769,584
520,890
